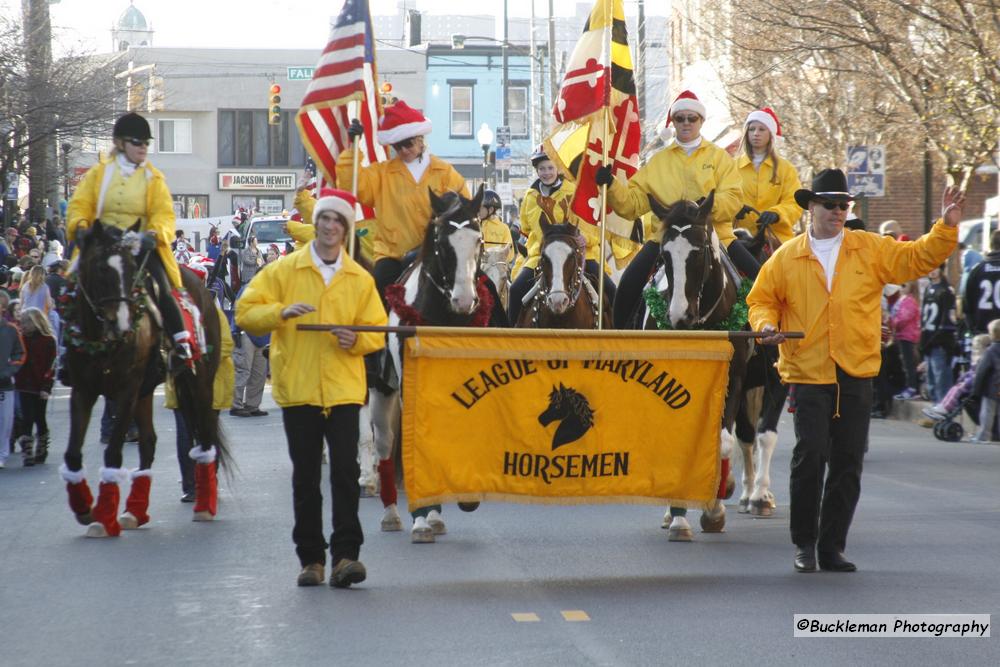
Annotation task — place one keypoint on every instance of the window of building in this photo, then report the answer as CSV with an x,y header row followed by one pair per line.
x,y
461,109
247,140
517,111
271,204
174,136
191,206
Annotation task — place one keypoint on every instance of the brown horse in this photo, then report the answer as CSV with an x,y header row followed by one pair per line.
x,y
563,296
113,338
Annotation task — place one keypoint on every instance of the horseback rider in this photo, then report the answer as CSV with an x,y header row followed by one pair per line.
x,y
495,232
768,193
689,168
124,188
551,184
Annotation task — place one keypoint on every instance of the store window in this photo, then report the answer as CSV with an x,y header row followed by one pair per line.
x,y
191,206
174,135
517,111
247,140
268,205
461,109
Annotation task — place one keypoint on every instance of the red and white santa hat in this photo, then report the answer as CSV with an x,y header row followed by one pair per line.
x,y
337,201
766,117
686,101
401,122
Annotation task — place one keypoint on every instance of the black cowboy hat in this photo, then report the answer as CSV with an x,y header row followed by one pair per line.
x,y
828,184
133,126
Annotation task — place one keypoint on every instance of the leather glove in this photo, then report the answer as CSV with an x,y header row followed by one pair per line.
x,y
355,129
603,175
767,218
743,212
148,242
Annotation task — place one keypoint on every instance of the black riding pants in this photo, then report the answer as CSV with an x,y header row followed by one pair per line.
x,y
632,282
306,427
593,269
821,512
173,321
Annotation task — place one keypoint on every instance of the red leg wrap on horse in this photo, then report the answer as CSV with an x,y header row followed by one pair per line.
x,y
106,510
387,482
723,480
80,497
137,503
206,488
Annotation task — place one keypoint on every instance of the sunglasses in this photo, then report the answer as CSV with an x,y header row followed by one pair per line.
x,y
686,119
830,205
406,143
136,142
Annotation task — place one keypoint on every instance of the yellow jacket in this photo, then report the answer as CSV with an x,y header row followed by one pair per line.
x,y
763,195
225,376
496,233
672,174
308,367
303,232
531,213
402,207
842,327
160,220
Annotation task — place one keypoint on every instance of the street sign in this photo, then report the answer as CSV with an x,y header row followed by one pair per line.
x,y
506,192
503,135
11,191
866,170
503,157
304,73
519,170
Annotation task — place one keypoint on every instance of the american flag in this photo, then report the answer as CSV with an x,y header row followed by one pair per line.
x,y
344,86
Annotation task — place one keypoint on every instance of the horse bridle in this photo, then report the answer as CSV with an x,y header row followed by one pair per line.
x,y
707,256
128,298
576,285
444,287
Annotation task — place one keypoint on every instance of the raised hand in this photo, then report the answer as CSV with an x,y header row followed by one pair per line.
x,y
952,200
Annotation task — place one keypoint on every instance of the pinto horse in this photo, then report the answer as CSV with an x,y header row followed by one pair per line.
x,y
563,296
443,287
700,292
113,339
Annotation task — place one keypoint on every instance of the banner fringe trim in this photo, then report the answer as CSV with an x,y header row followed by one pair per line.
x,y
448,498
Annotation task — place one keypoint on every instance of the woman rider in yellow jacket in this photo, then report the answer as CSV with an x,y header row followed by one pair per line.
x,y
495,231
551,184
769,181
689,168
125,188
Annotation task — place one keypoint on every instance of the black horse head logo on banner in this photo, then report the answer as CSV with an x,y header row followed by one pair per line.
x,y
572,409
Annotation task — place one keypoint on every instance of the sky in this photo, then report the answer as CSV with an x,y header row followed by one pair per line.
x,y
86,24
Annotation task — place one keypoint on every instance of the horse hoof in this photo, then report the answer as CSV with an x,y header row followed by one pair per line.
x,y
761,508
436,523
744,506
128,522
84,519
713,524
422,533
391,523
96,529
203,516
730,487
680,530
468,507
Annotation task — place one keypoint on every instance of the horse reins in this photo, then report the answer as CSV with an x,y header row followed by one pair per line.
x,y
443,287
130,300
707,252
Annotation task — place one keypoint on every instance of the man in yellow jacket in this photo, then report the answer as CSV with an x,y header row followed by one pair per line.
x,y
125,188
397,189
318,379
828,284
688,168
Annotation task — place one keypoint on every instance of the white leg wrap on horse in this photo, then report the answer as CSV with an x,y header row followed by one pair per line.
x,y
71,476
133,474
114,475
766,443
202,456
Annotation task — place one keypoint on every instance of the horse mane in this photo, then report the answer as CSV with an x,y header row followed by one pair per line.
x,y
577,402
454,210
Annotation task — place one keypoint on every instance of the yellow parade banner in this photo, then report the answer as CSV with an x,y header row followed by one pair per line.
x,y
563,417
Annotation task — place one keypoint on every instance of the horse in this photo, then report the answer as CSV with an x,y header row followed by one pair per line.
x,y
700,291
442,287
760,408
496,267
563,296
113,337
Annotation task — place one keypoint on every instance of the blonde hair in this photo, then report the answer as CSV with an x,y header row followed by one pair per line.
x,y
36,277
38,319
772,154
979,345
994,328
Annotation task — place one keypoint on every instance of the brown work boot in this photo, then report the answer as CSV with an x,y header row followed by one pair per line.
x,y
311,575
347,572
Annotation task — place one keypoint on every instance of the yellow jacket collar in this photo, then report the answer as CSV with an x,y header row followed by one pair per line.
x,y
800,244
302,259
397,165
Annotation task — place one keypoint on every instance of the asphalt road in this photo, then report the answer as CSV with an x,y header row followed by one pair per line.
x,y
509,584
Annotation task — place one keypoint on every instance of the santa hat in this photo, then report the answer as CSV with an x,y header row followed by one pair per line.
x,y
401,122
337,201
686,101
768,119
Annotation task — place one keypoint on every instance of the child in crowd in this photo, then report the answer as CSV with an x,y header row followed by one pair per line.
x,y
905,318
963,386
11,358
986,386
34,384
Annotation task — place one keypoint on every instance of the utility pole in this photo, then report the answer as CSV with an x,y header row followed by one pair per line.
x,y
553,76
503,51
640,66
40,120
536,122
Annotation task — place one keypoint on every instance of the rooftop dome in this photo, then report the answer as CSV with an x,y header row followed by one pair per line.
x,y
132,19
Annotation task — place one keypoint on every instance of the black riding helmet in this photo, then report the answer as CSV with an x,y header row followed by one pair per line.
x,y
133,126
538,156
491,200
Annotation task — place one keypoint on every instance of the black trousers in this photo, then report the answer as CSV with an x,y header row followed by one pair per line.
x,y
385,272
306,427
631,283
33,409
173,321
821,512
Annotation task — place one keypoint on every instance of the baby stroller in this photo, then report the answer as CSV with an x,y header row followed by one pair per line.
x,y
949,429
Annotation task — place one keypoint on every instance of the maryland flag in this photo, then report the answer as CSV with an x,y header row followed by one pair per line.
x,y
599,85
582,417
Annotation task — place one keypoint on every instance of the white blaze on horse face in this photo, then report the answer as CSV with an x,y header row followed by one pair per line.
x,y
121,315
679,249
465,243
558,298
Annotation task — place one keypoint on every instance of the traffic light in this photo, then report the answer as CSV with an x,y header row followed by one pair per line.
x,y
274,105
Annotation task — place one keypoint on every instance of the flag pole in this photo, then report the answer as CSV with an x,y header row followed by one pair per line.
x,y
604,216
354,185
